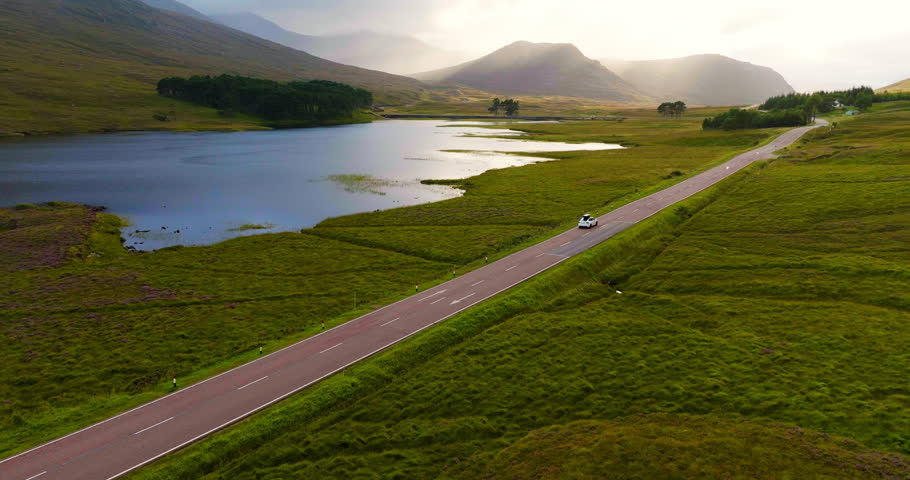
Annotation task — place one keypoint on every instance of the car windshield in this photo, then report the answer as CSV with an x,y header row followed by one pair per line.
x,y
585,217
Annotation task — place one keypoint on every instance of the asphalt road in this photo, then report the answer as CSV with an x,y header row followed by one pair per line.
x,y
130,440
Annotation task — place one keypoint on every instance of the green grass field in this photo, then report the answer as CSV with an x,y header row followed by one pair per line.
x,y
762,337
132,320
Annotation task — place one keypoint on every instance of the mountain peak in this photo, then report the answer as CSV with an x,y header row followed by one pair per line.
x,y
529,68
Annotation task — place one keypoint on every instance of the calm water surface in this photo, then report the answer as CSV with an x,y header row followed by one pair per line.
x,y
207,185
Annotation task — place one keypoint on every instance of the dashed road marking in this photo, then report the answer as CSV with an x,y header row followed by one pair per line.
x,y
564,244
461,299
36,476
542,254
149,428
510,268
390,321
326,350
433,295
437,301
261,379
478,283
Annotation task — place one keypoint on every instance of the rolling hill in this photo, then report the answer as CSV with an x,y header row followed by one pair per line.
x,y
526,68
88,65
702,79
376,51
902,86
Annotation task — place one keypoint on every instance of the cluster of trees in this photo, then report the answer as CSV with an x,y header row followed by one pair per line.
x,y
891,96
509,106
736,119
823,101
312,101
672,109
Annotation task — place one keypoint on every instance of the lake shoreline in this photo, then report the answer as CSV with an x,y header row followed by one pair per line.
x,y
197,188
230,128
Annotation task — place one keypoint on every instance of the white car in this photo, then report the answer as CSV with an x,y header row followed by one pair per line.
x,y
587,221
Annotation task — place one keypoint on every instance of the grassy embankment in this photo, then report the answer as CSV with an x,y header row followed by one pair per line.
x,y
781,299
90,335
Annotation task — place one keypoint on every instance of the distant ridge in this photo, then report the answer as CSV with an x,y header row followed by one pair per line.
x,y
702,79
376,51
527,68
176,7
902,86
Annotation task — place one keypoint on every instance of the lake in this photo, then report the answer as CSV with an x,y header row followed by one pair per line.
x,y
212,186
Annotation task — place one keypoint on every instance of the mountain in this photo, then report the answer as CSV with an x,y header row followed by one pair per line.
x,y
76,65
702,79
902,86
376,51
176,7
539,69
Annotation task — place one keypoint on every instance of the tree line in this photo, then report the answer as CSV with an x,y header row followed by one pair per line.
x,y
736,119
672,109
310,101
509,106
823,101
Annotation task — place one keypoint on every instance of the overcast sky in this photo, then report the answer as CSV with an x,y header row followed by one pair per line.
x,y
813,44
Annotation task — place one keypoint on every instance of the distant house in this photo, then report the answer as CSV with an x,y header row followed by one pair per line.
x,y
851,113
837,104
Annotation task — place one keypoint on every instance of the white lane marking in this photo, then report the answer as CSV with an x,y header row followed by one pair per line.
x,y
390,321
564,244
153,426
478,283
254,381
282,397
36,476
542,254
510,268
433,295
637,209
461,299
585,235
326,350
437,301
